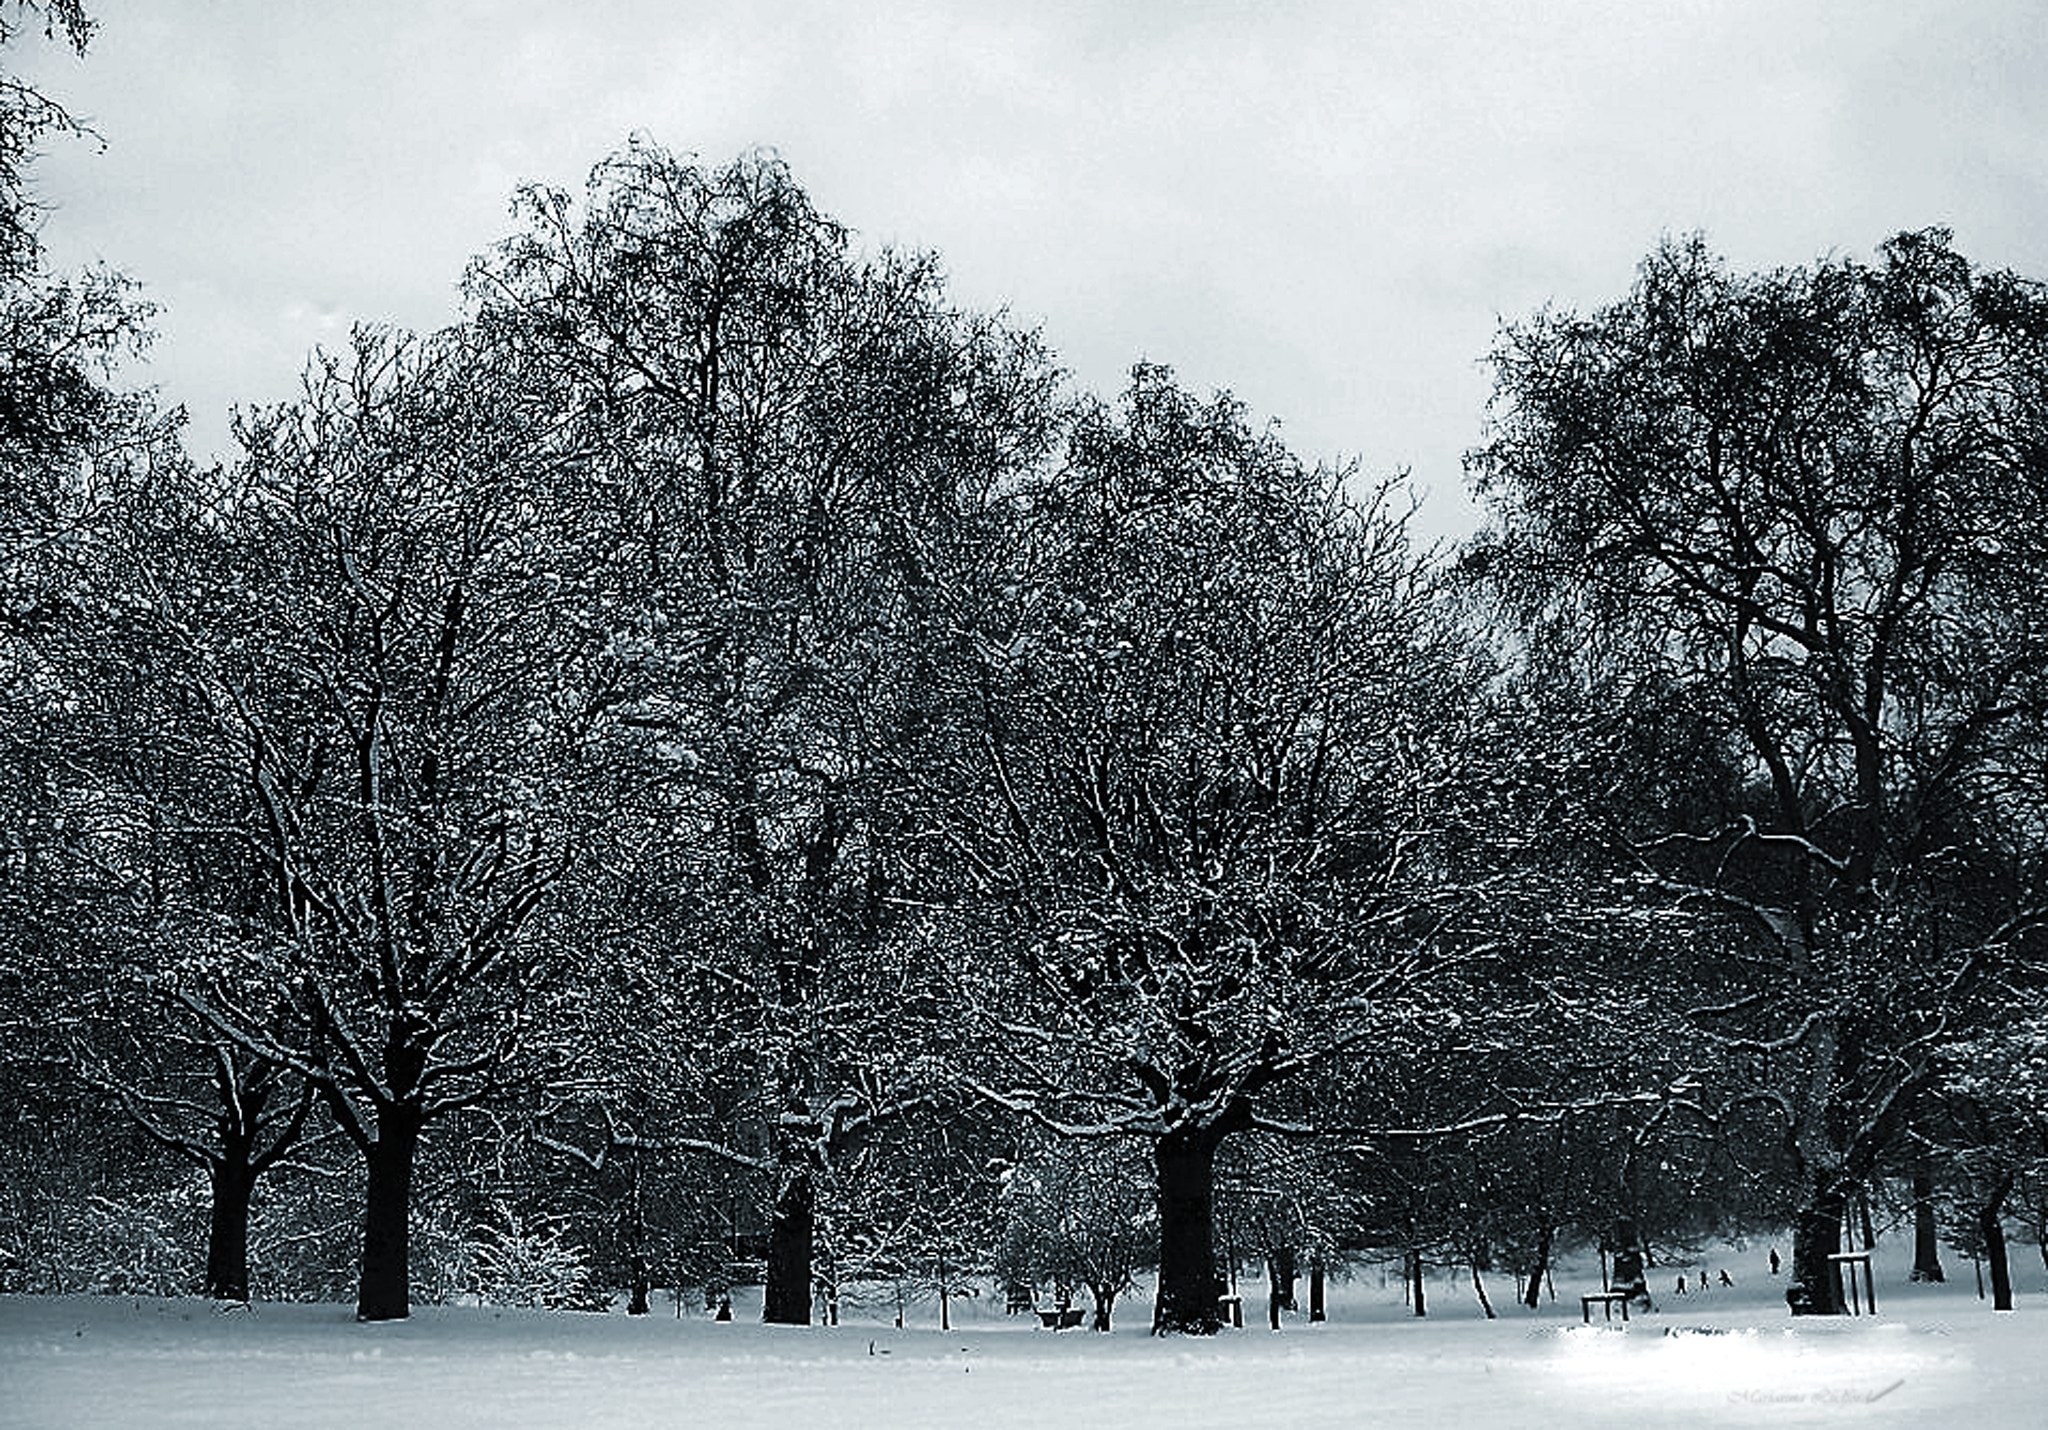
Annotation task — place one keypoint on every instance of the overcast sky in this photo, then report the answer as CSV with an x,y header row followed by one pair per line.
x,y
1325,207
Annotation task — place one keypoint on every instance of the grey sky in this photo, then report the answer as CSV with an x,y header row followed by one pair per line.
x,y
1325,207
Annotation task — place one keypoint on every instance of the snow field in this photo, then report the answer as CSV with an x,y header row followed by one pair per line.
x,y
1722,1358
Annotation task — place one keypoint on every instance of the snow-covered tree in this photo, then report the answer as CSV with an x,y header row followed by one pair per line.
x,y
1194,795
389,664
1809,506
787,439
1079,1214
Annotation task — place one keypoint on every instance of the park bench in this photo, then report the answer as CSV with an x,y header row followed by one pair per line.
x,y
1060,1318
1607,1300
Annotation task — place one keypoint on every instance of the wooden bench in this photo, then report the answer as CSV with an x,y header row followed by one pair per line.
x,y
1608,1301
1060,1318
1233,1310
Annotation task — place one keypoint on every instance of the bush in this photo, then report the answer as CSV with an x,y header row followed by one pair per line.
x,y
151,1245
539,1268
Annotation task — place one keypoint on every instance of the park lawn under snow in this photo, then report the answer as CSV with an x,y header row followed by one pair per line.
x,y
1722,1357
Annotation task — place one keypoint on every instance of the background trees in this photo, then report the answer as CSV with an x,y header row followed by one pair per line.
x,y
711,762
1810,504
73,450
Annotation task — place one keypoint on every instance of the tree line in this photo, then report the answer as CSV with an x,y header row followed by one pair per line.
x,y
720,764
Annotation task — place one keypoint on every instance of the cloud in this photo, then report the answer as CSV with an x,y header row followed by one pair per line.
x,y
1324,206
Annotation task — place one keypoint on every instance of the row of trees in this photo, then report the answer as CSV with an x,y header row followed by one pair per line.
x,y
721,745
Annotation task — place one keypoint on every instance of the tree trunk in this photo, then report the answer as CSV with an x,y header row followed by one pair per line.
x,y
1479,1287
1189,1289
1105,1298
1816,1288
233,1181
1926,1244
1281,1273
1316,1313
1991,1227
792,1230
636,1233
384,1293
1416,1282
1532,1294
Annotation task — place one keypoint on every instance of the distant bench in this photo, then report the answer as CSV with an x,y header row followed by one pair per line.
x,y
1607,1301
1060,1318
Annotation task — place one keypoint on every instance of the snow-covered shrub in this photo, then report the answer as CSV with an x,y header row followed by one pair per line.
x,y
306,1234
153,1245
441,1256
537,1267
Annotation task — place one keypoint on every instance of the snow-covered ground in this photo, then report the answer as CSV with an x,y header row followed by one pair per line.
x,y
1728,1356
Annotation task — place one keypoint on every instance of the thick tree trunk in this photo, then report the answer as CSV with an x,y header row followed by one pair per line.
x,y
1316,1312
1417,1296
792,1234
1189,1289
1926,1243
1991,1227
1816,1287
384,1293
227,1237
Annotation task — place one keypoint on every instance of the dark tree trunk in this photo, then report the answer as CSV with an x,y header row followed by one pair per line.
x,y
1281,1272
1417,1296
384,1293
1532,1293
227,1237
1189,1290
792,1233
1991,1227
637,1303
1316,1312
1816,1288
1926,1244
1105,1298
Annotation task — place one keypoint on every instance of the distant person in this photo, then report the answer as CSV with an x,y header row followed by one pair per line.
x,y
1725,1281
1774,1261
1680,1287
